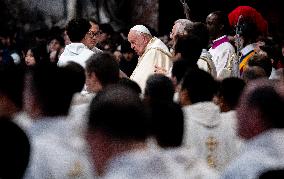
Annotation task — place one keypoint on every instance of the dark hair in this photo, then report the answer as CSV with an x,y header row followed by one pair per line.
x,y
167,123
261,61
179,69
76,74
200,30
273,50
118,112
106,28
247,29
252,73
14,150
40,54
126,47
231,90
200,85
272,173
59,38
189,47
52,88
105,68
5,58
77,29
269,103
159,88
130,84
222,19
11,83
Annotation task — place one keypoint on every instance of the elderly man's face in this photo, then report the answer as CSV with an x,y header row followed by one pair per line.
x,y
138,42
173,33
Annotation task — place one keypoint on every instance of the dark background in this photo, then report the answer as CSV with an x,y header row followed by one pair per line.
x,y
14,14
170,10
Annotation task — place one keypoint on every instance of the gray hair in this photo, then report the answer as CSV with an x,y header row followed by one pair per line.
x,y
181,24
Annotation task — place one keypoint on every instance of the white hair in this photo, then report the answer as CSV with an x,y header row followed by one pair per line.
x,y
181,24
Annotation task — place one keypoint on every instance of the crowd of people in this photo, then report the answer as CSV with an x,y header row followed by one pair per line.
x,y
89,102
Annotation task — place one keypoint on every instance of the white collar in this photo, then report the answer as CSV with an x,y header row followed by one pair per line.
x,y
247,49
206,113
219,38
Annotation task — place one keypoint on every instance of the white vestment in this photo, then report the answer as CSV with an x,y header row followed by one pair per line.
x,y
52,153
76,52
224,57
259,154
205,63
187,159
213,138
156,53
143,164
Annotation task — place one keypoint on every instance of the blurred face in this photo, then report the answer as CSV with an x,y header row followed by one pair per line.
x,y
6,41
54,45
212,26
174,32
103,37
29,58
128,56
92,83
66,38
138,42
92,37
117,55
239,41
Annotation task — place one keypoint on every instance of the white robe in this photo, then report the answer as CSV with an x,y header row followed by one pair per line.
x,y
52,153
76,52
156,53
187,159
205,63
212,137
143,164
259,154
220,56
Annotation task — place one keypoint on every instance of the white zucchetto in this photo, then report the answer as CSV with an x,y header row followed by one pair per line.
x,y
141,28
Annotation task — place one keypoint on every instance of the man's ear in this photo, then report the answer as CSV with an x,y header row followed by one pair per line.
x,y
184,97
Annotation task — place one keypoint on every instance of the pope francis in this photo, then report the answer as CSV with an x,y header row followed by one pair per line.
x,y
152,52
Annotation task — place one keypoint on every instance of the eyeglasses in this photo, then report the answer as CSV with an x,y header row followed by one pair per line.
x,y
93,34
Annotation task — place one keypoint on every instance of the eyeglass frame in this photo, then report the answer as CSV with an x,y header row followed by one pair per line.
x,y
93,34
